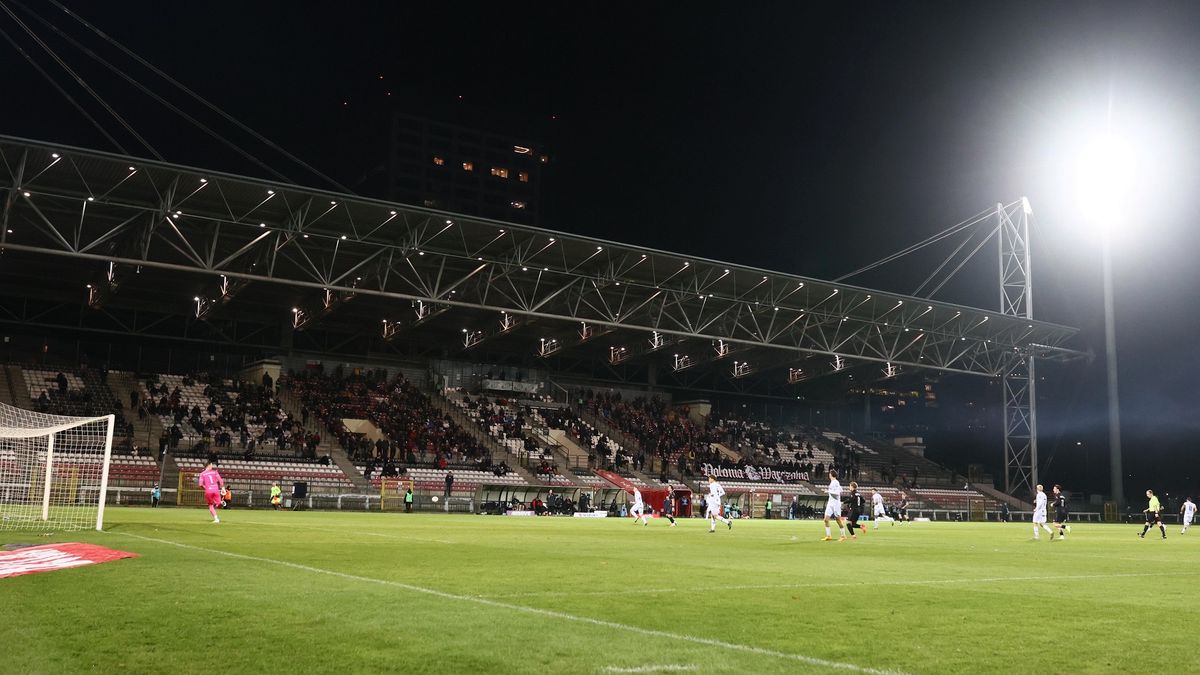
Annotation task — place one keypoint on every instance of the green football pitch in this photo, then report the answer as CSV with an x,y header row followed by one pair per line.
x,y
313,592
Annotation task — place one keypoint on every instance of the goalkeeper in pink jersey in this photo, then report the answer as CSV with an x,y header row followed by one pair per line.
x,y
213,486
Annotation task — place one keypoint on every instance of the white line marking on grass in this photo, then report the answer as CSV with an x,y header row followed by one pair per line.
x,y
731,646
667,668
840,584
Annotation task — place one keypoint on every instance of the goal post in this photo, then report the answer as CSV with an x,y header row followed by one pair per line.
x,y
53,470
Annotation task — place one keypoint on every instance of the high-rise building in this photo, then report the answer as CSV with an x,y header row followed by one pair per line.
x,y
471,171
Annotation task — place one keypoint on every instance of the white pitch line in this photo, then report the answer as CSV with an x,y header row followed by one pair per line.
x,y
730,646
840,584
666,668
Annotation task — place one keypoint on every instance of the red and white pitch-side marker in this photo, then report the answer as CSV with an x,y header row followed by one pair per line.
x,y
50,557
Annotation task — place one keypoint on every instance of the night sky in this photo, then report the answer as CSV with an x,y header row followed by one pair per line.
x,y
802,137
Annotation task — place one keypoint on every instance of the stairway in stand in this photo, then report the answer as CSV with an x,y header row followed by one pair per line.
x,y
145,431
10,392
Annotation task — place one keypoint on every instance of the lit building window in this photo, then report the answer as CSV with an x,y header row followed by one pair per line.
x,y
522,150
439,161
517,205
497,171
544,159
468,166
523,176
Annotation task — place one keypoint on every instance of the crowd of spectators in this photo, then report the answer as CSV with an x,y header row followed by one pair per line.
x,y
660,430
414,432
240,416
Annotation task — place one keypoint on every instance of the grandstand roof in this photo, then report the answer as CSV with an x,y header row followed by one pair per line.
x,y
198,238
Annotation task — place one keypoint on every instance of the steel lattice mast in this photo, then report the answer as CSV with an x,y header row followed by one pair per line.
x,y
1019,381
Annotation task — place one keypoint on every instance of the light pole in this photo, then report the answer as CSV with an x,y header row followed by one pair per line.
x,y
1110,359
1106,174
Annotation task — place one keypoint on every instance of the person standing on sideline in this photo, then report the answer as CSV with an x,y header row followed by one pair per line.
x,y
767,509
1188,511
712,505
1153,517
213,486
155,496
1004,513
276,495
833,507
668,508
1061,512
1039,514
638,510
878,510
449,483
408,497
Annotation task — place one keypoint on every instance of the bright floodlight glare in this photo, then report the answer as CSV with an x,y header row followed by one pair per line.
x,y
1104,182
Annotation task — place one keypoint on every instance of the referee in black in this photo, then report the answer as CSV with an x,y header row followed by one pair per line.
x,y
857,504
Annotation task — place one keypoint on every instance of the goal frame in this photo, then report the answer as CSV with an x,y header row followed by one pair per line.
x,y
49,433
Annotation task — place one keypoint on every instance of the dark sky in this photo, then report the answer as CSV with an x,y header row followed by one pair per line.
x,y
806,137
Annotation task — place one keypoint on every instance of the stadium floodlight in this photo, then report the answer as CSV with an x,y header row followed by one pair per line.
x,y
1104,181
54,470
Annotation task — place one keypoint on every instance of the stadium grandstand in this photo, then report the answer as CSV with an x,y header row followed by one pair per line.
x,y
356,346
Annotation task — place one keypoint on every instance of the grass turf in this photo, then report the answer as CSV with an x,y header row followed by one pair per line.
x,y
355,592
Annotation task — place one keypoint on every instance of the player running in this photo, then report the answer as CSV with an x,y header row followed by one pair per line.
x,y
1061,513
638,510
668,507
1188,511
857,503
1153,517
878,510
213,486
902,511
712,505
1039,514
833,508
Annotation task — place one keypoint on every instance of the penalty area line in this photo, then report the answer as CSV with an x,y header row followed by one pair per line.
x,y
651,632
665,668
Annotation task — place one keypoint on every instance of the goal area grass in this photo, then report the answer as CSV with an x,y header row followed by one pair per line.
x,y
267,591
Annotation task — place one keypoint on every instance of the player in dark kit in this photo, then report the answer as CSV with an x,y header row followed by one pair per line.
x,y
1061,512
902,510
668,507
857,504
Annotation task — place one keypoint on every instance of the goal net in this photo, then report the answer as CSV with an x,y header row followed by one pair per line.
x,y
53,470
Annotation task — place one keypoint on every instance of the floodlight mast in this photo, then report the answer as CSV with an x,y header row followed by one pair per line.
x,y
1019,382
1105,179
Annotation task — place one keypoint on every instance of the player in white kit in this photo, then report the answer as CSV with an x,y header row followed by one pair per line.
x,y
1188,511
638,510
712,505
833,508
878,511
1039,515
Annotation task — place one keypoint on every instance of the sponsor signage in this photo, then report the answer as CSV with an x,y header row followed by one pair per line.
x,y
51,557
753,473
591,514
509,385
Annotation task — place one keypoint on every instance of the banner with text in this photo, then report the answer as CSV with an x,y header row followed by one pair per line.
x,y
753,473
